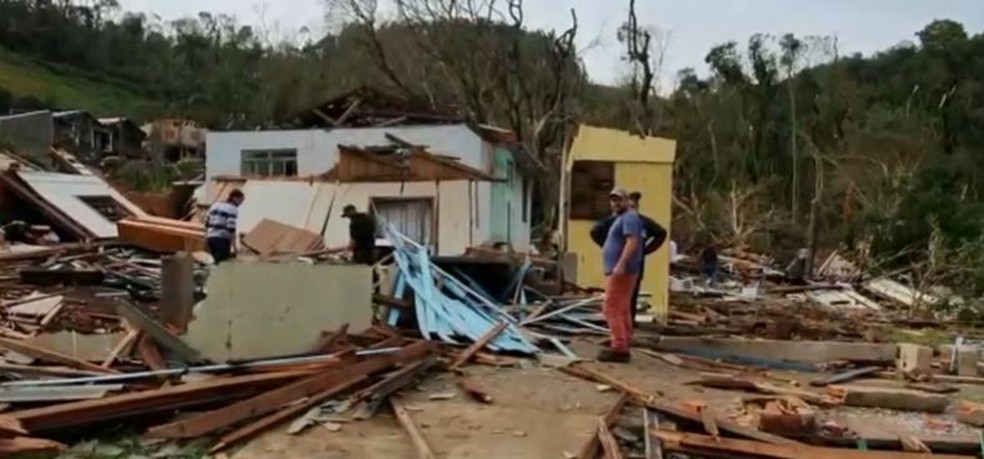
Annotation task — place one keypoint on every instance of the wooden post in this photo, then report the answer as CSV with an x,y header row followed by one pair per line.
x,y
177,290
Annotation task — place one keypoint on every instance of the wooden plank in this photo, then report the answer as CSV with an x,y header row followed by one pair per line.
x,y
12,447
84,412
608,443
419,442
730,447
177,290
122,347
46,371
586,372
330,342
473,388
382,389
10,427
590,449
708,419
650,424
158,333
50,356
150,354
722,424
478,345
845,376
269,402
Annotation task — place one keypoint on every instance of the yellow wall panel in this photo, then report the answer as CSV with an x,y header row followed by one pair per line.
x,y
655,182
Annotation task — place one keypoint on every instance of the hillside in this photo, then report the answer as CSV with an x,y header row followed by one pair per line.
x,y
71,89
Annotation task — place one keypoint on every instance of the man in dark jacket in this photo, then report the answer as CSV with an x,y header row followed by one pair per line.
x,y
655,236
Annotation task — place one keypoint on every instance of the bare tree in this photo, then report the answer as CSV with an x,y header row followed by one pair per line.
x,y
494,70
645,48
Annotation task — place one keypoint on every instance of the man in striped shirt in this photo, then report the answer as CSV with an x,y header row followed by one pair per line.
x,y
220,226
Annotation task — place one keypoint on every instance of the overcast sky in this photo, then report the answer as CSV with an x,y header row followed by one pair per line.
x,y
693,26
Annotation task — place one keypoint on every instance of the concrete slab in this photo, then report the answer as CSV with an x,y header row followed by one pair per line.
x,y
261,310
790,351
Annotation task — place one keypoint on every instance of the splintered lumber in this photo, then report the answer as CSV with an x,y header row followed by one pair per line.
x,y
47,355
586,372
970,413
607,440
122,347
913,444
590,449
419,442
293,410
473,388
897,399
708,446
478,345
161,335
10,427
177,289
149,353
165,399
331,342
649,401
650,424
25,445
845,376
718,381
340,379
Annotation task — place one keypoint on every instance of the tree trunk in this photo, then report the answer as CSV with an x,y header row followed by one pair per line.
x,y
811,235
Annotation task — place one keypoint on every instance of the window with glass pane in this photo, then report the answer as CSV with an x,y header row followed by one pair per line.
x,y
269,163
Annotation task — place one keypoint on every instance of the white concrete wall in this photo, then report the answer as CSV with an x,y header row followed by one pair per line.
x,y
306,204
317,152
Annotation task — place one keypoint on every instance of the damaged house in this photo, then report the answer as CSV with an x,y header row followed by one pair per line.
x,y
447,184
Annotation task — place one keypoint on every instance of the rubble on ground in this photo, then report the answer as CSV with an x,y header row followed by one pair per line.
x,y
141,329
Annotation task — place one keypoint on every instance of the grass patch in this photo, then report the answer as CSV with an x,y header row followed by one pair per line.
x,y
72,89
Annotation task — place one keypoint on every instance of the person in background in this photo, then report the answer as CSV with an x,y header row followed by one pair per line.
x,y
708,261
362,236
796,270
220,226
654,236
622,257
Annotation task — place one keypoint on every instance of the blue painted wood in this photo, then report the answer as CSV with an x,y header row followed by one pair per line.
x,y
448,309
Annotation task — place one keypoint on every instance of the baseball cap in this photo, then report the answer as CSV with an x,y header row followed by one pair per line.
x,y
618,193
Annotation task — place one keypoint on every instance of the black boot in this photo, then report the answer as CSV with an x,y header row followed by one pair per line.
x,y
614,356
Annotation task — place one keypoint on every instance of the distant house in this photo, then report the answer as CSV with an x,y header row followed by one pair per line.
x,y
123,138
76,131
446,183
175,139
31,132
82,134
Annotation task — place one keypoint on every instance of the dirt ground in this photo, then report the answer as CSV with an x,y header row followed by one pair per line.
x,y
540,412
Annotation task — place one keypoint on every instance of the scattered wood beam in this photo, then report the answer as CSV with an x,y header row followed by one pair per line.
x,y
122,348
74,414
14,447
331,342
650,423
707,446
608,443
47,355
478,345
161,335
419,442
590,449
473,388
845,376
337,379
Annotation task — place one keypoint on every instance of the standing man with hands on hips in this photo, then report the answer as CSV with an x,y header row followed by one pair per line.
x,y
622,256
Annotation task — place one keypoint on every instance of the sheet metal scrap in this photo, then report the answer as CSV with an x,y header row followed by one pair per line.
x,y
446,308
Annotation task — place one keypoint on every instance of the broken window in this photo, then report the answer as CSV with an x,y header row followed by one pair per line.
x,y
591,181
106,206
269,163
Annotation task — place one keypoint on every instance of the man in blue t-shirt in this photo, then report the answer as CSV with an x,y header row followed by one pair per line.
x,y
622,257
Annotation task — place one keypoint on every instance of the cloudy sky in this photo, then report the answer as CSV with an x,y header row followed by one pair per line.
x,y
692,26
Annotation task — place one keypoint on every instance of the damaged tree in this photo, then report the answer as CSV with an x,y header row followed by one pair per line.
x,y
644,50
478,57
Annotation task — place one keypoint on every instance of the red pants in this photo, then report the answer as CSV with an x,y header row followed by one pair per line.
x,y
618,309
